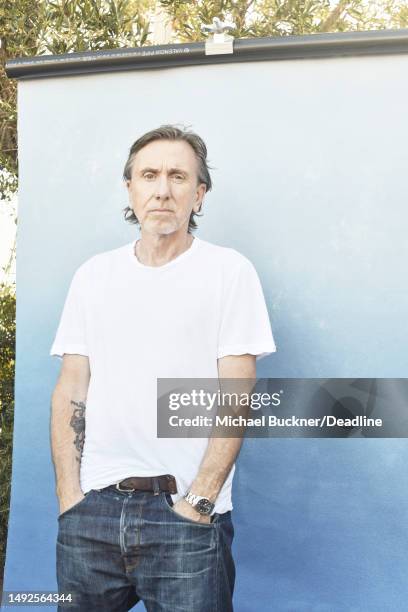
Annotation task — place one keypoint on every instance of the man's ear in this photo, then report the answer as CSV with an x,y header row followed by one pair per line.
x,y
127,183
201,189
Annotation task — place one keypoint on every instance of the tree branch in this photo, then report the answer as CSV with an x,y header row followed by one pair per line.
x,y
334,15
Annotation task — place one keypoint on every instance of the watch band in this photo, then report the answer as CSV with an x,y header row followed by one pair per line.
x,y
192,499
200,503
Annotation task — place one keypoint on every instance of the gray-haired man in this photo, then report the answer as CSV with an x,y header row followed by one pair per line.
x,y
142,517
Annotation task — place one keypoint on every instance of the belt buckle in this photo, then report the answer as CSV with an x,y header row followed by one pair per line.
x,y
123,490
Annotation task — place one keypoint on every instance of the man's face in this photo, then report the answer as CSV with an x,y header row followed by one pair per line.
x,y
164,189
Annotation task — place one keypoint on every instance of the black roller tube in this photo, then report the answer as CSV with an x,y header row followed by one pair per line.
x,y
377,42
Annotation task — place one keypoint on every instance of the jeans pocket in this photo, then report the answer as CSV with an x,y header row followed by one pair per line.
x,y
75,506
168,504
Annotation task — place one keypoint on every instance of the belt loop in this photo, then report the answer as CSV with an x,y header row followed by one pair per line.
x,y
156,486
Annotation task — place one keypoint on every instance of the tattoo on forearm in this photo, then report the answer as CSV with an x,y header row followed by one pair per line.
x,y
77,422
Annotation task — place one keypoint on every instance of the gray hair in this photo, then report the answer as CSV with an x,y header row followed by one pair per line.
x,y
171,132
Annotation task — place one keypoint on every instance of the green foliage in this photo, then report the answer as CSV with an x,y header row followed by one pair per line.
x,y
255,18
92,25
7,360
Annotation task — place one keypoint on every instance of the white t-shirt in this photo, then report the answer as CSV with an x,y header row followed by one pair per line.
x,y
137,323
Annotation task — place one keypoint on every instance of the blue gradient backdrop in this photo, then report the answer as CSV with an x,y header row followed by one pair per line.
x,y
310,183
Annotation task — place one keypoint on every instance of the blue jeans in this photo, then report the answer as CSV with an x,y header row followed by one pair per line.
x,y
117,548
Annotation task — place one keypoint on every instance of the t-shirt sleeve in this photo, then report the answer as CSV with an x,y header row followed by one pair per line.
x,y
71,333
245,326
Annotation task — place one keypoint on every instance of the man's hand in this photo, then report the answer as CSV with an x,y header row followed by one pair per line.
x,y
68,501
185,509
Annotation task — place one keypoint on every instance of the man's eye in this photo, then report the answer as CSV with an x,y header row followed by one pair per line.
x,y
148,175
178,177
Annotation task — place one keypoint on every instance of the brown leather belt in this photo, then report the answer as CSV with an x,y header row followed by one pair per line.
x,y
165,483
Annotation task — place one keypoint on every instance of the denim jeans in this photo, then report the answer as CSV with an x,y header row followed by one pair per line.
x,y
117,548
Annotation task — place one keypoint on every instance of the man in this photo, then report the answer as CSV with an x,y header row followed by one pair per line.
x,y
142,517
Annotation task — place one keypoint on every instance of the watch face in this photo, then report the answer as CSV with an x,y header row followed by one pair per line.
x,y
204,506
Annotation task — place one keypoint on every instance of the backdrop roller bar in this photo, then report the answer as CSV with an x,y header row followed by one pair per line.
x,y
379,42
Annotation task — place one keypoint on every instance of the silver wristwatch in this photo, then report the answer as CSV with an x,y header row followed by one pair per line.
x,y
199,503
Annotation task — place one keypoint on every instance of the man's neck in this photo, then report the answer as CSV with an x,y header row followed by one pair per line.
x,y
157,250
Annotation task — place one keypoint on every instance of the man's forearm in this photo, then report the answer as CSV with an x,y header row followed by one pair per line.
x,y
67,439
219,458
222,452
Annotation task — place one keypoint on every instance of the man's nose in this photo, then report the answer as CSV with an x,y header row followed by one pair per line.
x,y
162,187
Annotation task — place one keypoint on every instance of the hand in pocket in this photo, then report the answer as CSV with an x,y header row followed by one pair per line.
x,y
68,502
